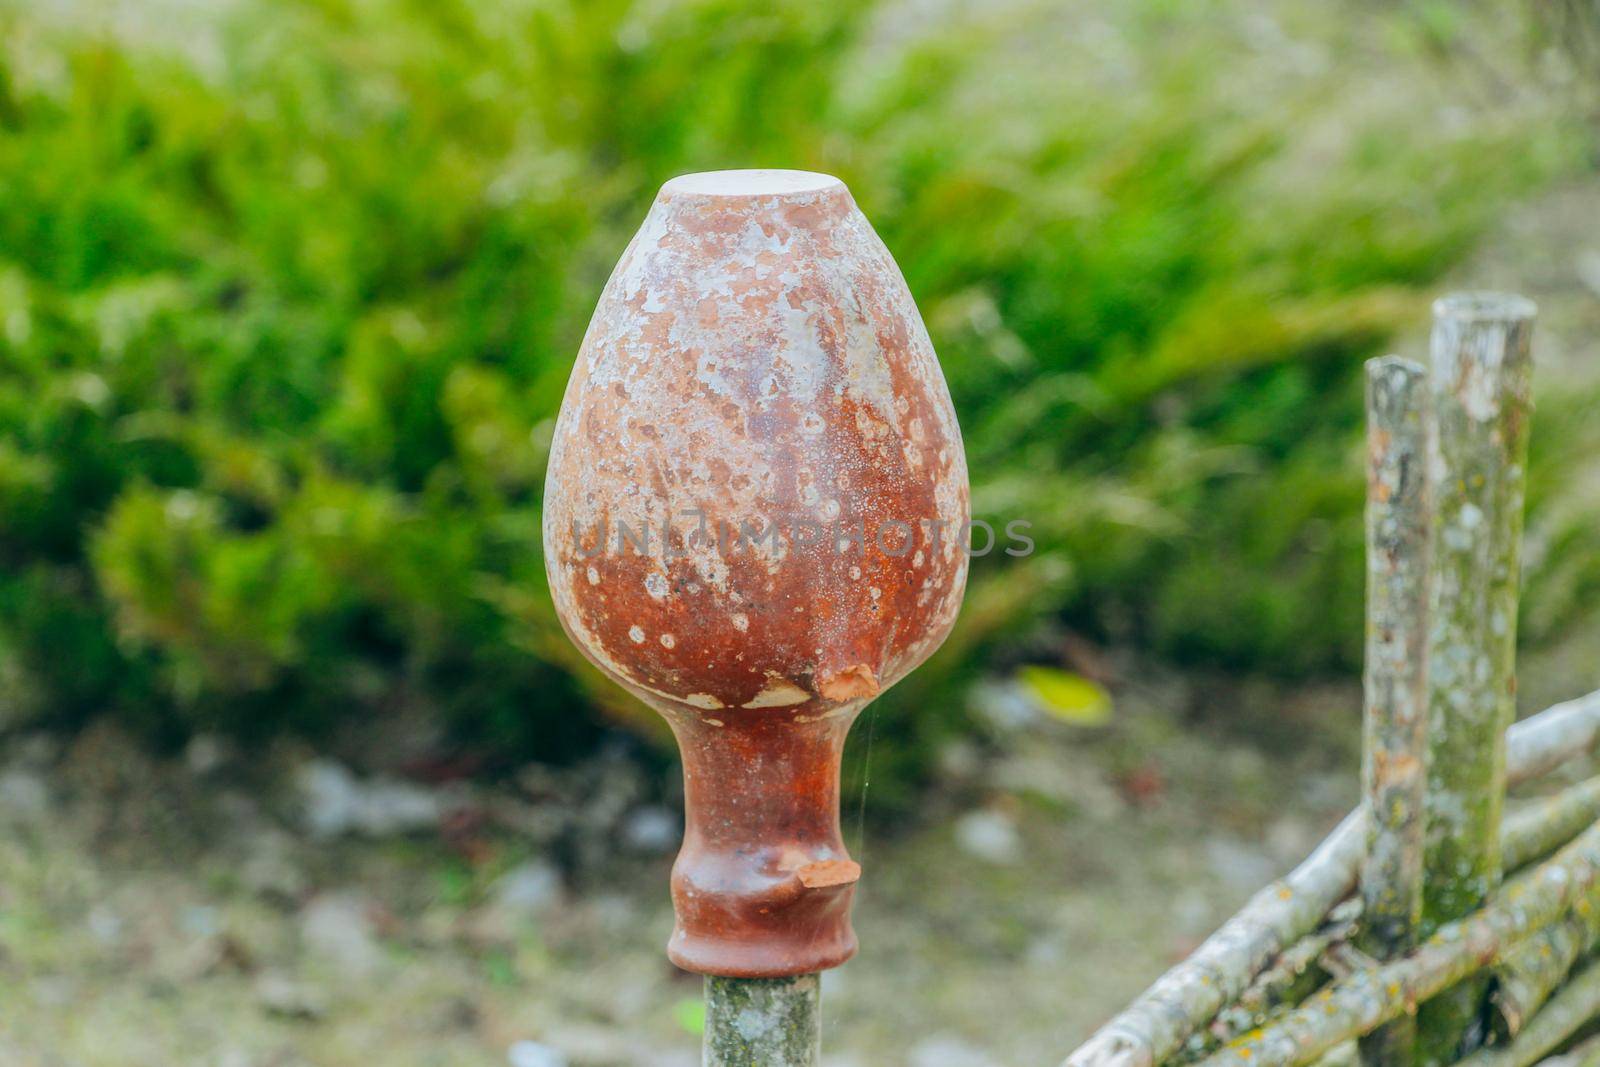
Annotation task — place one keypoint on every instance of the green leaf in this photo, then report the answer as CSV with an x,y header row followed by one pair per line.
x,y
690,1015
1066,696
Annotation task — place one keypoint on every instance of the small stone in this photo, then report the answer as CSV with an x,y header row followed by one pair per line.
x,y
270,870
948,1052
990,836
205,754
104,925
653,830
23,796
338,927
285,998
960,759
330,797
334,802
533,1054
393,807
530,888
1004,705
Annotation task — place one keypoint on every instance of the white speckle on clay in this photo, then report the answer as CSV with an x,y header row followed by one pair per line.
x,y
655,583
741,621
594,576
668,641
855,574
637,634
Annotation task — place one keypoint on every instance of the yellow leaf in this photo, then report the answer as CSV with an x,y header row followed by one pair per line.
x,y
1066,696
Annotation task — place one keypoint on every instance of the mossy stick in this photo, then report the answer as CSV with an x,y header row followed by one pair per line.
x,y
1577,1004
1532,831
1188,996
1369,998
1395,732
763,1022
1478,446
1585,1053
1538,827
1533,970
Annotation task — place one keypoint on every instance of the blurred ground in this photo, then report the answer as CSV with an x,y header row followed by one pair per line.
x,y
282,912
200,911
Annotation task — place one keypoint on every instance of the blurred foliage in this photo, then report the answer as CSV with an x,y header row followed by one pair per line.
x,y
289,292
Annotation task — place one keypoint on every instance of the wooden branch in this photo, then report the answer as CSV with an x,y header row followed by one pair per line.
x,y
1585,1053
763,1022
1532,971
1295,974
1395,719
1541,743
1578,1003
1539,827
1189,995
1532,831
1366,1000
1477,453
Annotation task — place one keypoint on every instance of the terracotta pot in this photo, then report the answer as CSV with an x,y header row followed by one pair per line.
x,y
755,522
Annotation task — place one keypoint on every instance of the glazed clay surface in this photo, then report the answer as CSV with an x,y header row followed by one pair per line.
x,y
755,521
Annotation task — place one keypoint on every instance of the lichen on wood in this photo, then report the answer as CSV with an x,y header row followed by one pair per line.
x,y
1539,827
1532,831
1585,1053
1189,995
1577,1004
1369,998
1477,453
1532,971
763,1022
1395,732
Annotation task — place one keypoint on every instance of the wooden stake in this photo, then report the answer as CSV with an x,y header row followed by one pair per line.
x,y
1369,998
763,1022
1478,448
1157,1023
1395,739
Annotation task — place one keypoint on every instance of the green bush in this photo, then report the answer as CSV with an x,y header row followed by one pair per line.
x,y
289,295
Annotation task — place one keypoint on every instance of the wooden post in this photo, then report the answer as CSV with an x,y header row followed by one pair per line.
x,y
1394,750
1477,453
763,1022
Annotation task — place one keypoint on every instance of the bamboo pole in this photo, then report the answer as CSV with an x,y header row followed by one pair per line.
x,y
1477,451
763,1022
1395,732
1567,1011
1367,999
1189,995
